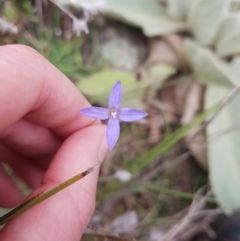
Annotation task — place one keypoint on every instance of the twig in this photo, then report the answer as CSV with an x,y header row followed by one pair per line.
x,y
109,236
65,10
79,25
207,213
196,230
183,224
147,177
99,234
39,12
218,134
207,217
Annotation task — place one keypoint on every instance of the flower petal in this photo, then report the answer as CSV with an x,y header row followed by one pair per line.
x,y
128,114
113,132
96,112
115,98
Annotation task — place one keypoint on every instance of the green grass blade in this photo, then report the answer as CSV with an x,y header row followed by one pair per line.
x,y
141,162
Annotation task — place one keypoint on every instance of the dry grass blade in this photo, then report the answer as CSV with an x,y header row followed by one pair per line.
x,y
43,196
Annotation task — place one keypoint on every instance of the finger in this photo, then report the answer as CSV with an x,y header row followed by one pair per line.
x,y
29,83
43,162
65,215
24,168
10,195
30,139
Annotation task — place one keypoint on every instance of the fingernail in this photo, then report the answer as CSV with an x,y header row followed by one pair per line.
x,y
103,150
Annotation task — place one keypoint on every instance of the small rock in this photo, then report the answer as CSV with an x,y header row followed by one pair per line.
x,y
125,223
123,175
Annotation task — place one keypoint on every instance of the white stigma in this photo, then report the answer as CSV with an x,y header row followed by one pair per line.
x,y
113,113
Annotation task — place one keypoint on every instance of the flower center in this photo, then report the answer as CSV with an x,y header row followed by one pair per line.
x,y
113,113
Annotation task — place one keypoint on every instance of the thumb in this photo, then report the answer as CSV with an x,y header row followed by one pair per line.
x,y
65,215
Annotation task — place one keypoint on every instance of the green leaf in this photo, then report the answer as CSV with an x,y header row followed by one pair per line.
x,y
177,9
228,39
207,67
224,151
234,67
77,4
10,12
98,86
205,17
147,14
64,55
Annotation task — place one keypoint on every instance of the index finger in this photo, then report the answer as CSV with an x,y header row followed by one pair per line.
x,y
31,86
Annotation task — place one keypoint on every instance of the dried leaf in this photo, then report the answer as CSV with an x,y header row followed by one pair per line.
x,y
193,106
176,42
161,52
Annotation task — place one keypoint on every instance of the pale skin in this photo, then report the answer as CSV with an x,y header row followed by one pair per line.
x,y
45,139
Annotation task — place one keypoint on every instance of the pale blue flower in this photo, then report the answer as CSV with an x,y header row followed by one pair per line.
x,y
115,114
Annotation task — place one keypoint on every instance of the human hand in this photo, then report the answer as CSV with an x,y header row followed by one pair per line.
x,y
45,139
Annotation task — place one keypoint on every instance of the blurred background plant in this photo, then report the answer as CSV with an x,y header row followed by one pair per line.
x,y
180,61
